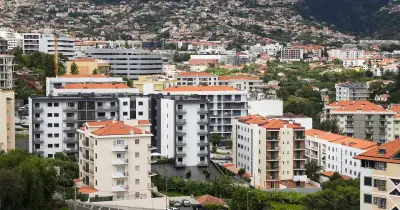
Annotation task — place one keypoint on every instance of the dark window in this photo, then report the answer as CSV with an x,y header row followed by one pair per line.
x,y
112,114
56,135
49,104
49,125
70,125
50,135
125,103
56,125
55,104
50,146
37,105
91,105
70,114
125,113
50,155
140,103
367,181
56,114
56,145
101,114
140,113
99,103
49,114
112,104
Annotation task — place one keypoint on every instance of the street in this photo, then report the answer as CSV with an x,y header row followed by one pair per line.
x,y
87,206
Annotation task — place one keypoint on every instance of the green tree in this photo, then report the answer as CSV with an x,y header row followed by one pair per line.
x,y
335,176
337,62
74,68
11,186
206,173
330,125
369,73
313,170
376,88
188,174
95,71
241,172
23,91
128,81
215,139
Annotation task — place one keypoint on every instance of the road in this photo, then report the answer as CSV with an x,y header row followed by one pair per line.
x,y
88,207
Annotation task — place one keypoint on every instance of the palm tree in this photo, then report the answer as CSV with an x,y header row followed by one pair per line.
x,y
313,170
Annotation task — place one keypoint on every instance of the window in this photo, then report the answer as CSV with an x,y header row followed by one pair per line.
x,y
125,103
56,114
56,125
120,182
380,166
137,181
95,142
140,113
137,168
136,141
70,114
99,104
37,105
55,104
56,145
49,135
380,202
70,125
50,155
112,114
49,114
56,135
50,145
101,114
112,104
49,105
367,198
96,182
140,103
49,125
120,142
126,113
95,169
380,184
136,154
367,181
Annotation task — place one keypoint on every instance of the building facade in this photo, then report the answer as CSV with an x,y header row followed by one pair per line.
x,y
352,91
380,178
291,54
88,66
3,46
7,72
115,158
129,63
271,150
65,45
196,79
7,120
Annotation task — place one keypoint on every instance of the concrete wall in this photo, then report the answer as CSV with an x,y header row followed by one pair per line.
x,y
266,107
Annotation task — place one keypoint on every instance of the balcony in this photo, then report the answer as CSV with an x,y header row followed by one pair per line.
x,y
180,153
37,109
180,164
273,168
119,148
273,178
202,132
38,120
298,168
272,138
275,148
70,119
382,119
69,129
38,151
202,143
151,173
119,188
151,186
202,163
71,109
202,121
383,125
369,125
70,150
120,161
299,157
70,140
180,132
349,126
91,171
38,130
180,121
120,175
180,143
369,131
202,111
203,153
181,111
301,178
38,140
107,108
299,138
349,119
272,158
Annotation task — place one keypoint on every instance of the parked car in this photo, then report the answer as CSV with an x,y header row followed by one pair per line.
x,y
175,203
185,203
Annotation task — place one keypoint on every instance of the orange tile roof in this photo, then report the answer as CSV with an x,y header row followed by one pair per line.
x,y
199,88
84,60
87,190
81,75
143,122
330,173
343,140
118,128
237,78
208,199
196,74
355,106
392,148
268,123
100,123
395,108
96,86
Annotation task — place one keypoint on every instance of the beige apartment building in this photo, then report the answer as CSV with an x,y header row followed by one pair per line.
x,y
87,66
115,158
272,151
153,83
380,177
7,123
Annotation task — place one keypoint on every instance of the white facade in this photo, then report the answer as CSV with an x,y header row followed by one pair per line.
x,y
13,38
351,91
115,158
343,54
270,49
66,45
196,79
266,107
170,70
304,121
250,84
6,71
289,54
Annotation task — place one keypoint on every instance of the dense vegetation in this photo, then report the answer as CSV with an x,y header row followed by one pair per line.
x,y
345,194
363,17
29,182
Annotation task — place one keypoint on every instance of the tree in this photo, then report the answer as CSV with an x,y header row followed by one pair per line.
x,y
74,68
330,125
206,173
11,186
369,73
335,176
241,172
23,91
215,139
188,174
337,62
313,170
95,71
376,88
128,81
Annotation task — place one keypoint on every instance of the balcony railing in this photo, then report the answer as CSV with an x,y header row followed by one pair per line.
x,y
180,132
38,120
181,153
180,143
202,143
180,164
202,121
202,163
120,161
202,111
202,153
202,132
119,148
38,140
181,111
180,121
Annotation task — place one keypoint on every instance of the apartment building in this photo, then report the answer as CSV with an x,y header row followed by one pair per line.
x,y
271,150
54,83
380,178
270,49
65,44
152,83
199,65
7,120
362,119
343,54
221,57
115,158
291,54
129,63
196,79
351,91
30,42
13,38
226,103
335,152
3,46
247,83
87,66
309,50
6,71
180,125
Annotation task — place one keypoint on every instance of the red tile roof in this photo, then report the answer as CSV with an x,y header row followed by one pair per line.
x,y
196,74
237,78
269,123
96,86
330,173
100,123
391,149
395,108
343,140
87,190
208,199
355,106
118,128
199,88
143,122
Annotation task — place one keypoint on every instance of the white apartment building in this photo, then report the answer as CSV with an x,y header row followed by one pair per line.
x,y
335,152
226,103
30,42
196,79
291,54
271,150
351,91
380,178
270,49
362,119
355,62
170,70
247,83
226,59
115,158
54,83
181,129
343,54
6,71
13,38
66,45
107,89
7,120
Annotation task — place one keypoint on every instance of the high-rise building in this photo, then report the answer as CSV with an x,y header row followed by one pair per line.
x,y
32,42
291,54
129,63
272,151
352,91
115,158
226,103
7,122
6,71
380,177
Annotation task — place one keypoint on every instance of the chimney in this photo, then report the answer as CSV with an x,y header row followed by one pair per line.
x,y
382,151
362,105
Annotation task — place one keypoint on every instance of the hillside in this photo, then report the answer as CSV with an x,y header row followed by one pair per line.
x,y
379,19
